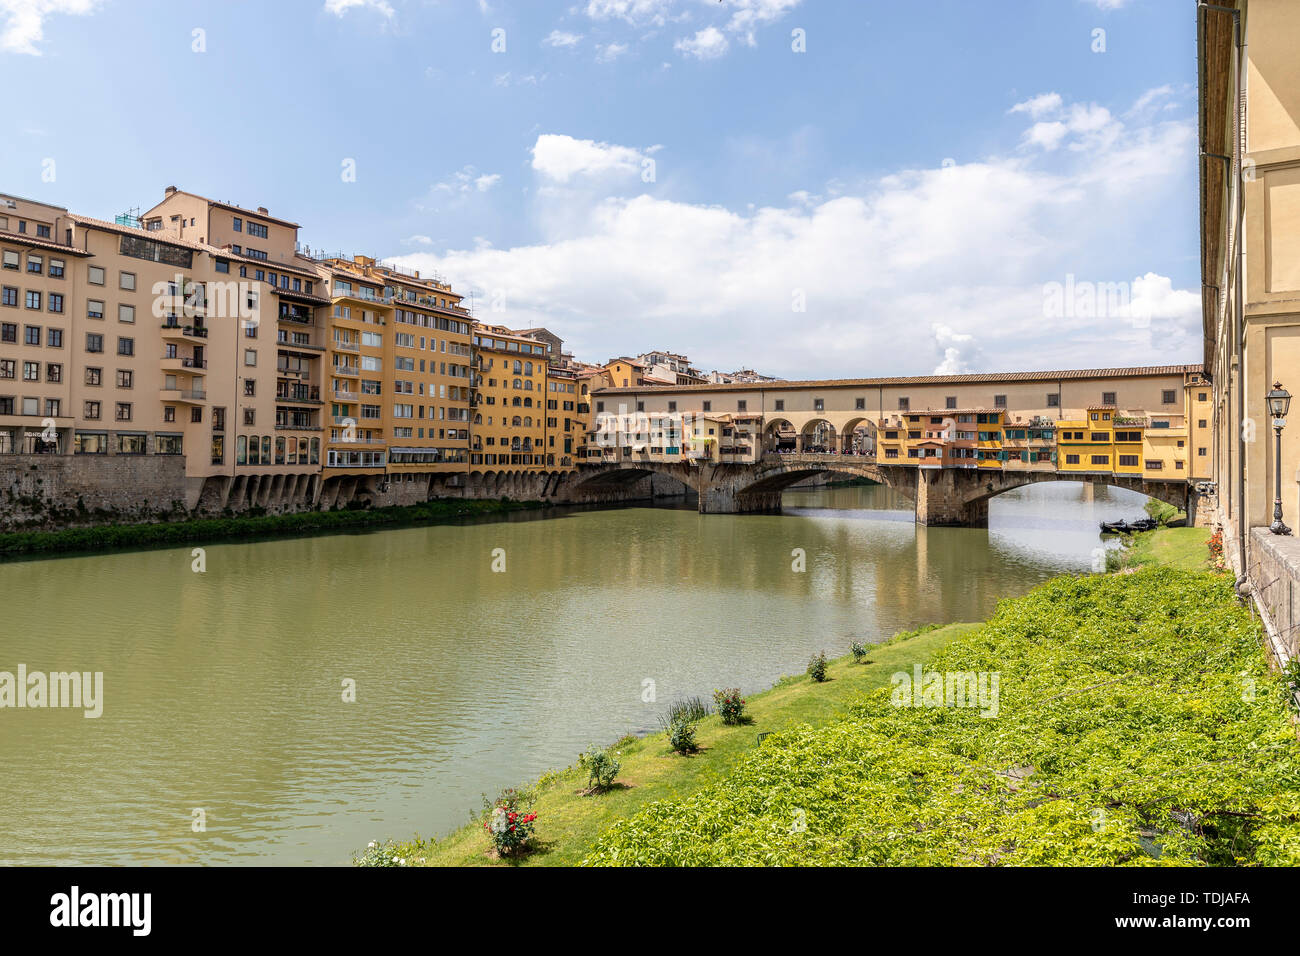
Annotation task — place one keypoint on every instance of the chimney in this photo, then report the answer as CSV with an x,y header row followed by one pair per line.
x,y
262,210
169,190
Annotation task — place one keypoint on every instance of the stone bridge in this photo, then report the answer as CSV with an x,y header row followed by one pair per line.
x,y
942,496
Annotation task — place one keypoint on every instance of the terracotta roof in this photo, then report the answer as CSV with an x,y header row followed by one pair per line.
x,y
22,239
966,379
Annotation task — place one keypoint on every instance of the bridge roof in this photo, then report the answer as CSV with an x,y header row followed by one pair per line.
x,y
973,378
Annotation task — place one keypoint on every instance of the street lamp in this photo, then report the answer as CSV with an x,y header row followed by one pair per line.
x,y
1279,400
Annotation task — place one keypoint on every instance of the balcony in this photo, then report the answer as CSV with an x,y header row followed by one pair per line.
x,y
303,395
183,396
179,363
346,346
342,395
172,330
351,371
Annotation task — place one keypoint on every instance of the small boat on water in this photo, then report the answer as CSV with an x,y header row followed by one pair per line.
x,y
1128,527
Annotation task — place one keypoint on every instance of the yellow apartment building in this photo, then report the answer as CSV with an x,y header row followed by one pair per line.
x,y
509,414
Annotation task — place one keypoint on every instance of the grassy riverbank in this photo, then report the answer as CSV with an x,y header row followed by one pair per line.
x,y
209,530
570,823
1138,723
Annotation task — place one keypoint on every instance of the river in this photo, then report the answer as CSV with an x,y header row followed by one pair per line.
x,y
224,690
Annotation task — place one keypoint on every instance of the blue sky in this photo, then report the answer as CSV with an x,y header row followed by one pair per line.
x,y
669,174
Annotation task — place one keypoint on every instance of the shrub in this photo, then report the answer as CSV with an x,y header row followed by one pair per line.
x,y
859,651
380,854
817,667
681,735
602,766
509,822
731,706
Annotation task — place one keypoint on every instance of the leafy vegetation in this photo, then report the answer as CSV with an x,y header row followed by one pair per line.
x,y
602,766
200,530
1164,513
859,651
1138,724
681,735
817,667
731,706
692,709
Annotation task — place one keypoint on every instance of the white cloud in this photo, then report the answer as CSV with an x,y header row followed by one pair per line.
x,y
418,240
750,14
917,270
609,52
562,158
24,21
633,11
708,44
1039,106
340,7
467,180
560,38
1108,4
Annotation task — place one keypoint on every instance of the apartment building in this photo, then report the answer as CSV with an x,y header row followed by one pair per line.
x,y
129,340
398,375
510,401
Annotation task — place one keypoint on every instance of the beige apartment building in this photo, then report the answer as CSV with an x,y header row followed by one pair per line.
x,y
135,342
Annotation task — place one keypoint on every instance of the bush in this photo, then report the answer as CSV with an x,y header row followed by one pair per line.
x,y
602,766
817,667
380,854
509,822
859,651
731,706
681,735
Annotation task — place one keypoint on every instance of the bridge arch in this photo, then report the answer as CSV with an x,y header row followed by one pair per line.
x,y
818,436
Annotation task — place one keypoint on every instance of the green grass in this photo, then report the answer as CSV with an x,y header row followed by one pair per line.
x,y
1186,549
568,823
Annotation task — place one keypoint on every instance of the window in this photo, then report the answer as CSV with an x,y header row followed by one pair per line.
x,y
125,378
1128,461
250,387
819,404
95,275
222,265
125,346
708,406
1053,400
8,368
10,296
860,403
740,405
999,401
90,411
35,264
1099,436
257,230
123,411
167,444
55,302
1108,398
949,402
780,404
94,342
33,300
53,372
672,406
904,404
126,280
250,417
94,376
1154,465
1168,396
42,231
126,313
237,224
31,335
250,357
11,260
8,332
1071,459
1201,396
57,268
169,413
94,309
131,444
31,371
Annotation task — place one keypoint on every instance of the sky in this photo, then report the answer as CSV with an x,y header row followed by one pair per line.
x,y
808,188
